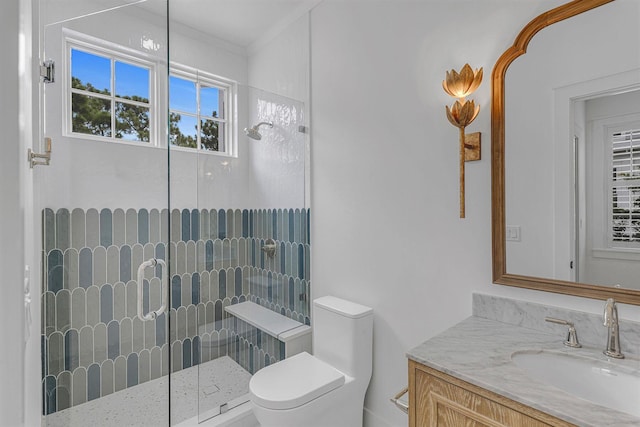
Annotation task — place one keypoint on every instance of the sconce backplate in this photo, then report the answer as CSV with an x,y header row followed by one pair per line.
x,y
472,147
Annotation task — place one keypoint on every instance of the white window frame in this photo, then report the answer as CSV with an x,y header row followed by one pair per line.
x,y
229,88
114,52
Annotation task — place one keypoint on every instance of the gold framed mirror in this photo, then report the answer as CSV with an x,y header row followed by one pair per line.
x,y
501,275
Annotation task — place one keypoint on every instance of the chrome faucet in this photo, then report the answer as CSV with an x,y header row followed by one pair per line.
x,y
613,335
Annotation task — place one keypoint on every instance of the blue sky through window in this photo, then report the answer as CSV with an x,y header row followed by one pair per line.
x,y
209,101
131,80
90,68
182,95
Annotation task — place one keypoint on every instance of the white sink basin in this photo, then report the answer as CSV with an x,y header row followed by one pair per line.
x,y
597,381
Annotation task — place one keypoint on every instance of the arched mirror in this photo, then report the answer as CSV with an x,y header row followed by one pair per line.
x,y
566,153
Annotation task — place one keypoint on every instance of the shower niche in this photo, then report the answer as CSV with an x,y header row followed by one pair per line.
x,y
151,162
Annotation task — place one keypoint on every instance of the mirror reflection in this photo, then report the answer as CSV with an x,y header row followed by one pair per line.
x,y
572,156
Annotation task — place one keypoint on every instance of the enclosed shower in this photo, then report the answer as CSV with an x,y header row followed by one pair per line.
x,y
174,246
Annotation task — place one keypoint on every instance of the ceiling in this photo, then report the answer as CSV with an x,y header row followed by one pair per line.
x,y
240,22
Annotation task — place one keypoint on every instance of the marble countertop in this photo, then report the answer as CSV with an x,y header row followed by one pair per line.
x,y
479,350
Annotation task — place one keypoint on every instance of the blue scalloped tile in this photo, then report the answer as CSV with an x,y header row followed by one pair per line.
x,y
274,224
195,289
186,353
125,263
132,370
93,382
245,223
63,229
143,226
185,225
195,225
196,350
48,230
145,296
49,394
222,284
55,270
43,355
106,304
71,350
113,340
208,250
85,267
222,224
218,315
176,292
238,281
106,226
292,300
301,261
161,334
291,225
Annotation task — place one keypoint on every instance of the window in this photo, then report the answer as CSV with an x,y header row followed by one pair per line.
x,y
199,107
625,187
111,95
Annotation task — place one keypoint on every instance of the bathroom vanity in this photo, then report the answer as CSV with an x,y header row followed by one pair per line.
x,y
479,372
443,400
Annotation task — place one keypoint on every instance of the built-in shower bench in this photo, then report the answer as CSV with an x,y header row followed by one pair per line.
x,y
296,336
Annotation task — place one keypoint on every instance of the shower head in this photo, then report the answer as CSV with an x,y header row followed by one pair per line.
x,y
253,131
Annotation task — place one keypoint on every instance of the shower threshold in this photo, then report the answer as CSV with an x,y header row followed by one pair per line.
x,y
196,394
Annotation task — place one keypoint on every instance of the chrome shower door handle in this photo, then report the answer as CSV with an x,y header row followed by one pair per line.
x,y
163,289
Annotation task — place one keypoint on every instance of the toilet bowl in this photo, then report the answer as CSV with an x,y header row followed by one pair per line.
x,y
325,389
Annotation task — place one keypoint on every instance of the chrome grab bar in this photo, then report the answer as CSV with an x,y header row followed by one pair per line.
x,y
404,407
163,289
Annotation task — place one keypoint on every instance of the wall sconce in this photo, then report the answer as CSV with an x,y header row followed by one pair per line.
x,y
461,114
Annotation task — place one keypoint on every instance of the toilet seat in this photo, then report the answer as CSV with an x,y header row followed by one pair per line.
x,y
294,382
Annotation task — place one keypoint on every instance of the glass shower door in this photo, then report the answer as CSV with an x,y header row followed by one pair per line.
x,y
239,241
103,200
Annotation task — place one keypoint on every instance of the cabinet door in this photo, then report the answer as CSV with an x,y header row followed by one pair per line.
x,y
438,402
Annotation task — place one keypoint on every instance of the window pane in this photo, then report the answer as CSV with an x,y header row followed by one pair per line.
x,y
91,115
132,122
212,102
212,135
132,82
182,95
90,72
183,130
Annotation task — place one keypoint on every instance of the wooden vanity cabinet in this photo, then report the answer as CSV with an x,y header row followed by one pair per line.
x,y
438,399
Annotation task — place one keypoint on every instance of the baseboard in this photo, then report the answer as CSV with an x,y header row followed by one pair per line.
x,y
373,420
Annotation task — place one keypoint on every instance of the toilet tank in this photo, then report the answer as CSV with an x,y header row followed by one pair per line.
x,y
343,335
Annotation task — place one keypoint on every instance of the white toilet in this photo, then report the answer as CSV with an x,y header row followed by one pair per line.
x,y
328,388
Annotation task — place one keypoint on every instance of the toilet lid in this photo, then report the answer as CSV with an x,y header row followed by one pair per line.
x,y
293,382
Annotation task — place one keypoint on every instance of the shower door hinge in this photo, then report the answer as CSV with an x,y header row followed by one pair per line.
x,y
48,71
40,159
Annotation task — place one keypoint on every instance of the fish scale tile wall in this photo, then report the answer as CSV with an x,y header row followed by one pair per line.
x,y
94,344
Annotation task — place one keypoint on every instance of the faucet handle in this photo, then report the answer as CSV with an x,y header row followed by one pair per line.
x,y
572,336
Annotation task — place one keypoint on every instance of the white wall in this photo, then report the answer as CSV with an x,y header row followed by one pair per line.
x,y
11,254
385,226
279,67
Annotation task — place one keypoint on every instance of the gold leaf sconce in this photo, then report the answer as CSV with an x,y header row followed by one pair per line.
x,y
460,85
